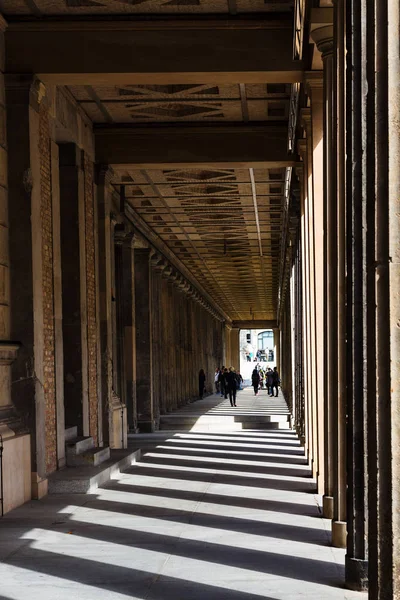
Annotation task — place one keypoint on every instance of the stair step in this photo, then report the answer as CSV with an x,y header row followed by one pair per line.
x,y
79,445
86,479
264,425
71,433
93,457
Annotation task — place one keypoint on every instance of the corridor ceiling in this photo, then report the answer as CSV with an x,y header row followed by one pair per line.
x,y
68,8
222,220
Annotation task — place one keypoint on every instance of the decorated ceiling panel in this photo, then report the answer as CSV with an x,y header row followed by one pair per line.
x,y
137,7
224,225
184,103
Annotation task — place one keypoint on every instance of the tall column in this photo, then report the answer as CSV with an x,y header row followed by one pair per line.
x,y
277,343
389,529
308,429
104,194
323,37
235,351
8,349
144,342
129,330
310,231
314,84
73,260
32,287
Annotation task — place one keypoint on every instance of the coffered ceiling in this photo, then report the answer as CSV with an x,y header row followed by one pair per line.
x,y
184,103
137,7
225,226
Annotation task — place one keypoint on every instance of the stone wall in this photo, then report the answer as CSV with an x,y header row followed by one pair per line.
x,y
44,148
90,236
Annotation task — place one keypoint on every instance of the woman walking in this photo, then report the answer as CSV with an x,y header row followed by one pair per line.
x,y
255,381
232,385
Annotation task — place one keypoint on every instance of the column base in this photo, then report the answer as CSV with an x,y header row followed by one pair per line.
x,y
356,574
147,426
16,471
339,534
327,507
39,486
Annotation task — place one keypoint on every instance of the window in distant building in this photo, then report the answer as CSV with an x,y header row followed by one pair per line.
x,y
265,340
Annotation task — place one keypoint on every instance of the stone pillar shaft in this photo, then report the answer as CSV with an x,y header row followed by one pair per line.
x,y
357,201
144,342
315,86
73,259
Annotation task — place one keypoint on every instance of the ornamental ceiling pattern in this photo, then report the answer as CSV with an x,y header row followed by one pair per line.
x,y
136,7
224,225
184,103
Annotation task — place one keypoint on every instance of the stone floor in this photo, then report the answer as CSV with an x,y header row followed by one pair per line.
x,y
219,516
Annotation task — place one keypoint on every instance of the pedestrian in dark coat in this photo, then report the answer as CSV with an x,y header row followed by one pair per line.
x,y
275,381
231,382
255,381
202,383
221,381
270,382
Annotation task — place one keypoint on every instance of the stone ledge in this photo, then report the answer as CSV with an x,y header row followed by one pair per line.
x,y
85,480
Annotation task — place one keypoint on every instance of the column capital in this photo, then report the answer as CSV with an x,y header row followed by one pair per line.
x,y
323,38
25,89
314,82
8,352
305,115
3,24
103,174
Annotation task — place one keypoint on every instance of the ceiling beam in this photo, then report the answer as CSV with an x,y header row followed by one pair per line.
x,y
259,324
179,147
159,52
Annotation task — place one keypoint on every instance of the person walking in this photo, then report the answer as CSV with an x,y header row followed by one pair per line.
x,y
270,382
239,380
221,381
275,381
216,380
225,382
231,385
255,381
202,383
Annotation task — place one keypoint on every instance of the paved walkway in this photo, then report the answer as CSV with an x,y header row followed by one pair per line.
x,y
218,516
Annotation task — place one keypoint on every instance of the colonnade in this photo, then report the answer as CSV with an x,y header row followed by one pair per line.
x,y
339,326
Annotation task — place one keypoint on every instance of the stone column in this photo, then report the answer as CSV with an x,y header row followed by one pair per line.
x,y
323,37
235,350
104,193
8,349
358,303
144,342
310,253
314,83
277,344
129,330
307,438
73,260
388,274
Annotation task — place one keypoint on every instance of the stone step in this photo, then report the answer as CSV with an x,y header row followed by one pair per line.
x,y
264,425
79,445
85,480
93,457
71,433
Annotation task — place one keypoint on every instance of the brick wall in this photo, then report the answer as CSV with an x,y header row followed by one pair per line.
x,y
91,297
48,291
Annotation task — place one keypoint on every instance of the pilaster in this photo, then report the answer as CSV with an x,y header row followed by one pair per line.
x,y
144,341
73,259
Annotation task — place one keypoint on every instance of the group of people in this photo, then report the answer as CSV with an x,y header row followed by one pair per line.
x,y
227,382
268,378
